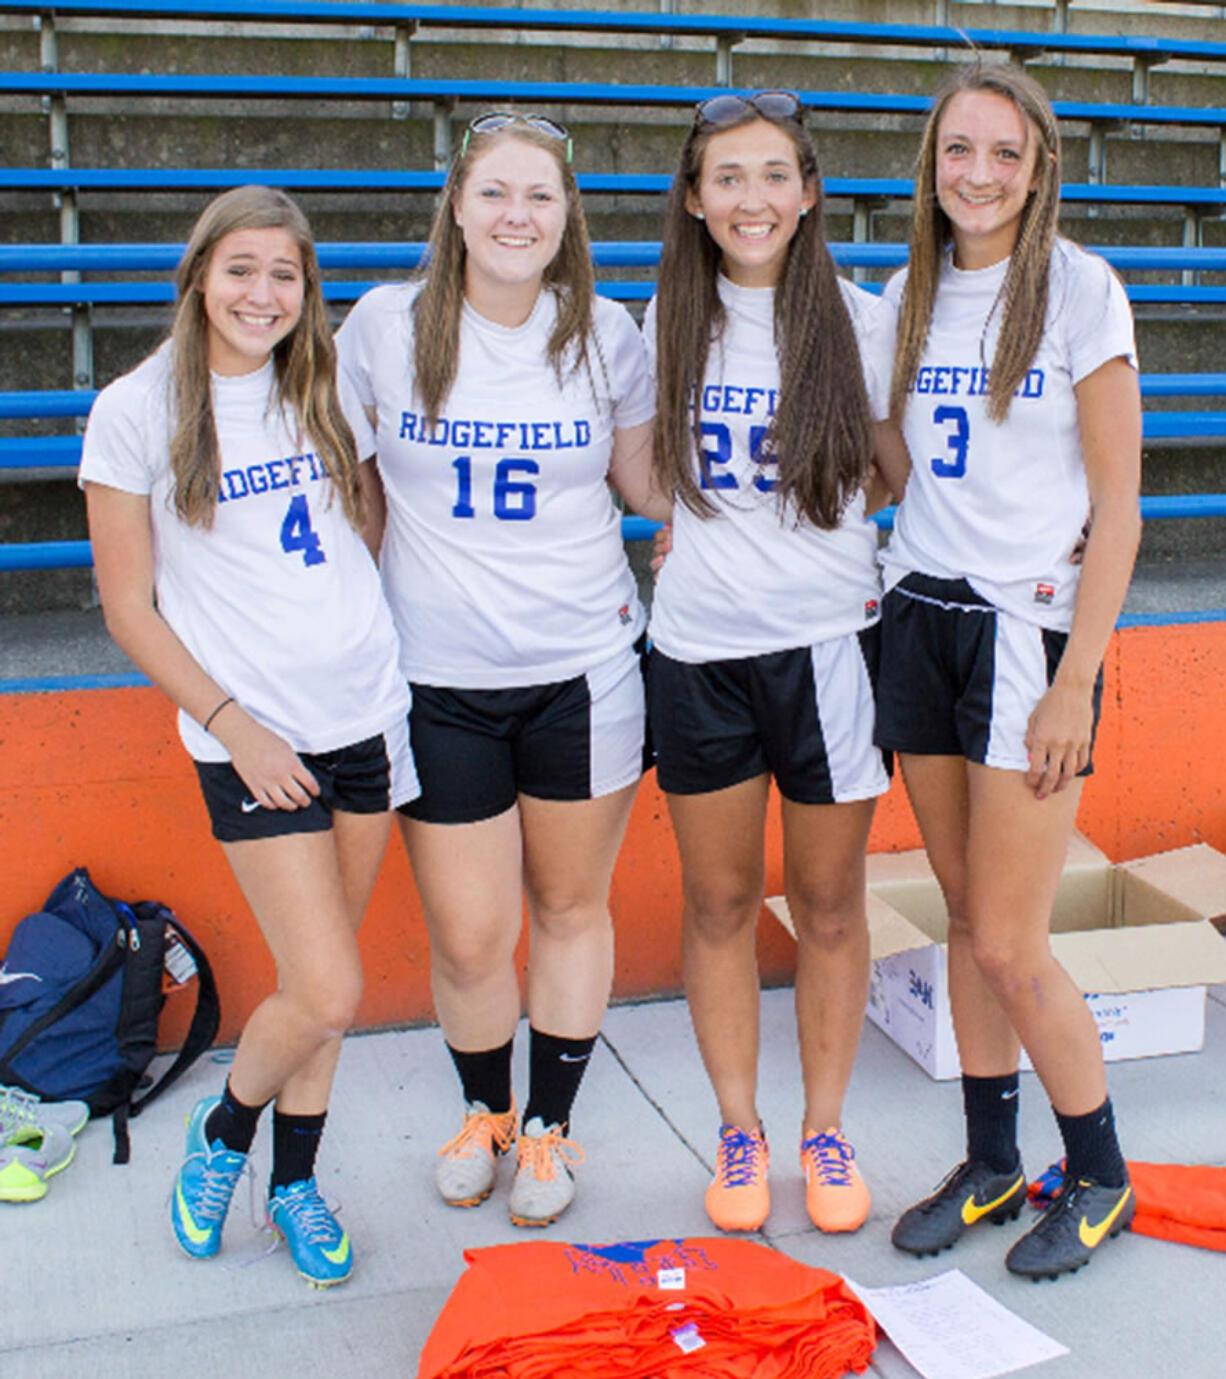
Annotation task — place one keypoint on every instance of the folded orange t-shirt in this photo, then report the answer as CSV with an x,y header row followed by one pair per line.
x,y
1182,1202
662,1309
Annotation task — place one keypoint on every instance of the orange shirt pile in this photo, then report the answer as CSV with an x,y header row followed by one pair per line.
x,y
653,1309
1181,1202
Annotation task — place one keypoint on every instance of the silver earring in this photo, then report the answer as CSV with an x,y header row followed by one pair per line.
x,y
804,212
698,215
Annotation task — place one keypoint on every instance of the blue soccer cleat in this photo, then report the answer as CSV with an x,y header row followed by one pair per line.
x,y
320,1249
204,1187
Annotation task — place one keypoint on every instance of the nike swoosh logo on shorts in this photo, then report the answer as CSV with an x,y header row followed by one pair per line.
x,y
19,977
250,806
574,1057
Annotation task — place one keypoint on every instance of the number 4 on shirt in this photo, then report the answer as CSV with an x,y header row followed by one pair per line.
x,y
297,534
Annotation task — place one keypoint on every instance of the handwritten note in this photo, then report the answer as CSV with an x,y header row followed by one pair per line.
x,y
949,1328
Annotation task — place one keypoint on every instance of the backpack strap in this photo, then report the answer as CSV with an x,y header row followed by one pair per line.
x,y
206,1018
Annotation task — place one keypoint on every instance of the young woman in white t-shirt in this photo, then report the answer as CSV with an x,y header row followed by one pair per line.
x,y
225,499
1015,382
506,396
764,624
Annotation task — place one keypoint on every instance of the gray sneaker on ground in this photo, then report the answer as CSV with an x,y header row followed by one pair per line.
x,y
21,1110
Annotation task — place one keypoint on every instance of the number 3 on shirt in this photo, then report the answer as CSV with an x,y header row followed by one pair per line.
x,y
957,440
297,534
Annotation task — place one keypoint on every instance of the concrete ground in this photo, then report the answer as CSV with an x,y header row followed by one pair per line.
x,y
93,1282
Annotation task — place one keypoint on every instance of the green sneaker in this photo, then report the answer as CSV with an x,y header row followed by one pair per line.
x,y
29,1156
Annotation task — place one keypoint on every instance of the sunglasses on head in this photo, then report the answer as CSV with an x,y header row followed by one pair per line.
x,y
501,119
728,109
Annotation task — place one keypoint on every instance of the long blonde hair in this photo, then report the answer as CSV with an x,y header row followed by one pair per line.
x,y
1023,295
821,433
438,306
304,361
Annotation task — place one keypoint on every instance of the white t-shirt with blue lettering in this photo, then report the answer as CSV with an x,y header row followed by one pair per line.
x,y
1002,505
502,558
753,578
279,600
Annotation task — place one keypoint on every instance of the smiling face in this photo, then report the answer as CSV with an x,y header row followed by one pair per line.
x,y
751,193
252,297
511,210
986,155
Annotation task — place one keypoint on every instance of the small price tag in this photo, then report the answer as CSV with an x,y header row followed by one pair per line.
x,y
670,1278
178,962
687,1340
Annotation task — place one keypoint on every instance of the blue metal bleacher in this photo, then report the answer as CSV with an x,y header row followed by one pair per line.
x,y
728,30
276,87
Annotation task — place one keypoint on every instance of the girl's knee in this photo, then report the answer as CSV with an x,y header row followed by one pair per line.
x,y
472,955
562,920
827,913
715,914
329,1000
1009,963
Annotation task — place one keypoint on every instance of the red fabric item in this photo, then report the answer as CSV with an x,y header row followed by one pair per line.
x,y
1181,1202
548,1310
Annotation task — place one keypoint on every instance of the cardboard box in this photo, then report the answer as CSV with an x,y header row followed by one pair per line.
x,y
1137,938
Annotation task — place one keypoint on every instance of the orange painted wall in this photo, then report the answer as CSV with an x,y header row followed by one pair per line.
x,y
98,778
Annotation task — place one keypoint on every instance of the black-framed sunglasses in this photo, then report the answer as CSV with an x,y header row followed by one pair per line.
x,y
495,120
727,109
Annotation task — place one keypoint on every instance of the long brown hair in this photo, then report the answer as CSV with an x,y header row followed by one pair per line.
x,y
1023,295
304,361
821,433
438,306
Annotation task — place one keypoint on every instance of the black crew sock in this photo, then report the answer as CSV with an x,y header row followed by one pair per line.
x,y
485,1075
295,1142
990,1104
1091,1146
232,1122
556,1068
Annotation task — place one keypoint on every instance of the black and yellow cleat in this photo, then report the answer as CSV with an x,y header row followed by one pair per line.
x,y
971,1193
1079,1219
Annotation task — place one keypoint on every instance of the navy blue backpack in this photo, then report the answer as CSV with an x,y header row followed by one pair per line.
x,y
80,994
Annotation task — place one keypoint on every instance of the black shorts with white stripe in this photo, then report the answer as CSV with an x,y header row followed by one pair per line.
x,y
960,677
477,750
804,715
